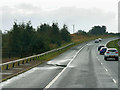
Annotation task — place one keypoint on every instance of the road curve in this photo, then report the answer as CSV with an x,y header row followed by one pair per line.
x,y
86,69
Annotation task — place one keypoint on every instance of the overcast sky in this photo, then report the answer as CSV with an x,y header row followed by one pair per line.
x,y
84,14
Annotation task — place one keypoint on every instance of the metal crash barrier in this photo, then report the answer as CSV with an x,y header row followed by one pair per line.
x,y
12,64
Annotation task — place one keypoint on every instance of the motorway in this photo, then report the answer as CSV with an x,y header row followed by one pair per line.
x,y
79,67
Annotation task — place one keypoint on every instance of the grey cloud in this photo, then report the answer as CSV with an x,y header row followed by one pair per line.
x,y
21,9
80,14
28,7
82,18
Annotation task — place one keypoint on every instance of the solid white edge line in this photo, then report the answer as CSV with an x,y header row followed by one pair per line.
x,y
52,82
110,40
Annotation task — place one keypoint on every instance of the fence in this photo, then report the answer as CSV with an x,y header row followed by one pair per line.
x,y
12,64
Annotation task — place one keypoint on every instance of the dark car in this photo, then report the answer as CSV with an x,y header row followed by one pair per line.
x,y
96,41
103,50
99,47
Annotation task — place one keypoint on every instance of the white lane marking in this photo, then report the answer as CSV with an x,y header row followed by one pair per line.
x,y
107,72
114,80
52,82
89,44
105,69
97,58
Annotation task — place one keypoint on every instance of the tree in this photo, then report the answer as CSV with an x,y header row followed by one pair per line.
x,y
39,45
23,40
81,32
98,30
55,34
65,34
44,31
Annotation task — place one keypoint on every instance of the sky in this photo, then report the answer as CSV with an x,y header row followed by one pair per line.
x,y
83,14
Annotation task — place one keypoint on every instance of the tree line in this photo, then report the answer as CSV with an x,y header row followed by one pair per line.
x,y
24,40
96,30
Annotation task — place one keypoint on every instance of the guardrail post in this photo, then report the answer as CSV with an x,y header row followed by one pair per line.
x,y
13,65
23,62
18,63
27,61
7,67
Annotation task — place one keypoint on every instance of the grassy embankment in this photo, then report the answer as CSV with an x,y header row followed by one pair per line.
x,y
114,44
76,39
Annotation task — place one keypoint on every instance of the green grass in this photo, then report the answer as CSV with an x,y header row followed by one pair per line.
x,y
54,54
114,44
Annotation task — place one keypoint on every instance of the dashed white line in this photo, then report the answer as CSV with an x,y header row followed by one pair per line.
x,y
114,80
107,71
52,82
98,59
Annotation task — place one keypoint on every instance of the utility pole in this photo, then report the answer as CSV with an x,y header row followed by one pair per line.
x,y
73,29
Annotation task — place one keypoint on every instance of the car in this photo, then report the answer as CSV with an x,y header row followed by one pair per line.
x,y
111,53
103,50
96,41
100,46
99,39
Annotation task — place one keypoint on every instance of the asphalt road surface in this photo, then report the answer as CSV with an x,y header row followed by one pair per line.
x,y
79,67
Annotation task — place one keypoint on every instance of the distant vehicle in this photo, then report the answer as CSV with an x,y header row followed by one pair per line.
x,y
99,39
111,53
100,46
103,50
96,41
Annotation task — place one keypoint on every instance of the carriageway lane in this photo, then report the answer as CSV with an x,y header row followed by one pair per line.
x,y
86,71
41,75
111,66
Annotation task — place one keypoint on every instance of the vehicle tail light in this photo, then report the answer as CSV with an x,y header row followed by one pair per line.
x,y
116,52
107,52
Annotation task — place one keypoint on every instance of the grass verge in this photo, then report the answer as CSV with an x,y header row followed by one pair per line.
x,y
114,44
